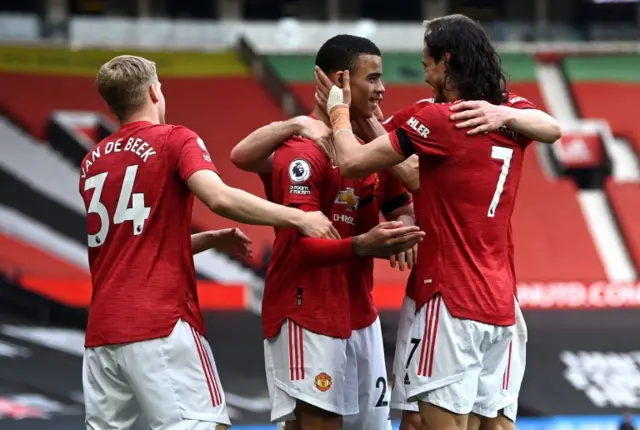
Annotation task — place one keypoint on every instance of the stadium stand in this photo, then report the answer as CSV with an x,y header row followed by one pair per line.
x,y
625,201
605,86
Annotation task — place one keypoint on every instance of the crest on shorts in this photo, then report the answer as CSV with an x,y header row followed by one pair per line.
x,y
323,382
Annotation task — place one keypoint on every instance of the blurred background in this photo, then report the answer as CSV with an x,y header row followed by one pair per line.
x,y
230,66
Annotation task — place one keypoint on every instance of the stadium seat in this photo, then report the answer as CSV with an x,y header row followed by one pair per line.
x,y
625,201
552,240
606,87
18,258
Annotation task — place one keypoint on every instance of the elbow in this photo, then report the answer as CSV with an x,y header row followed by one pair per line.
x,y
219,200
552,131
237,158
555,132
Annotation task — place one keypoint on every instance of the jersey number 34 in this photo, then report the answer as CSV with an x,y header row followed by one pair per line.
x,y
137,212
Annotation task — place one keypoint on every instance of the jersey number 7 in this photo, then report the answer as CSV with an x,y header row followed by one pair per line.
x,y
137,212
504,154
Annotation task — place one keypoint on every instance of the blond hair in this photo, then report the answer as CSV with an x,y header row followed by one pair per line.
x,y
123,82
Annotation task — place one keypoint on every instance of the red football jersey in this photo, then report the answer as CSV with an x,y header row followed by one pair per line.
x,y
316,298
138,226
467,193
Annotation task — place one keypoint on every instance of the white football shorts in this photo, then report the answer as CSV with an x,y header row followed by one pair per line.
x,y
516,364
366,385
172,382
306,366
456,364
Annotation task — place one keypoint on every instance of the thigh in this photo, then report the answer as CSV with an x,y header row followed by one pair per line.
x,y
445,358
176,380
493,378
109,400
373,389
405,349
308,367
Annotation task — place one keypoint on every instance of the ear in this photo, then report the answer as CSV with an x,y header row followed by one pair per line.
x,y
338,79
153,94
447,56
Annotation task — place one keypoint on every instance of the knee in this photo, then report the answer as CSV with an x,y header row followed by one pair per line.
x,y
498,423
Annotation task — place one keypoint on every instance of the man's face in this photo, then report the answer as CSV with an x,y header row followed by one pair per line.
x,y
434,74
367,88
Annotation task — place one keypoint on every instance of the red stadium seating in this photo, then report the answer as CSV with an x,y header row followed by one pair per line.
x,y
625,201
18,259
552,239
613,101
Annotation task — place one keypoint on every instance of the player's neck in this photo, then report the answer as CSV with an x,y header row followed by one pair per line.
x,y
321,115
141,116
451,95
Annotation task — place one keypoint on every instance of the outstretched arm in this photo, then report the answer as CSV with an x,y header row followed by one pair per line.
x,y
254,153
243,207
482,117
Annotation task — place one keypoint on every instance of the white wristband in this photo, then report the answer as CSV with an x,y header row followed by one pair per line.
x,y
336,98
337,132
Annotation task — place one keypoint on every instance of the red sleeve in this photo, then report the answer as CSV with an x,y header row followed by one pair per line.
x,y
188,152
393,194
519,102
422,133
323,252
300,171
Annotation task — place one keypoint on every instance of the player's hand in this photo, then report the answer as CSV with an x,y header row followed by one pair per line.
x,y
479,115
231,241
334,94
406,259
315,224
318,132
386,239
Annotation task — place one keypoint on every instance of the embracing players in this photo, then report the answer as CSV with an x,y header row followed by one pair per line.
x,y
365,386
462,295
145,351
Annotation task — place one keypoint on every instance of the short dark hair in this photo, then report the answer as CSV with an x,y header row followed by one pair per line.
x,y
474,67
341,52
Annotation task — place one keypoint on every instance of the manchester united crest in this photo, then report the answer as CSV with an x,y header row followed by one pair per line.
x,y
323,382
